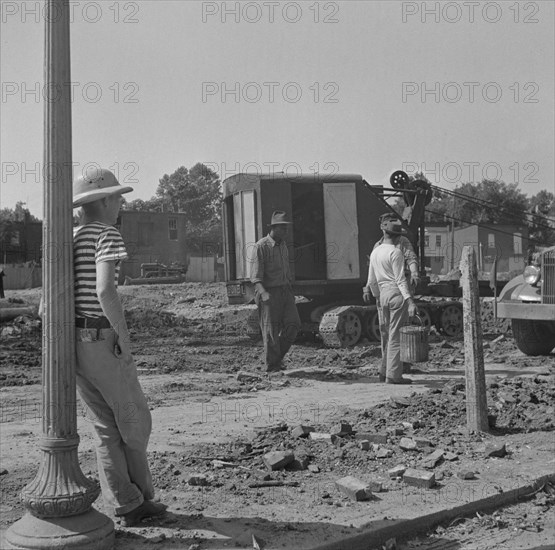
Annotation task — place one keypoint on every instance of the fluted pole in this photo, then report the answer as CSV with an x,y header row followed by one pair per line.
x,y
59,498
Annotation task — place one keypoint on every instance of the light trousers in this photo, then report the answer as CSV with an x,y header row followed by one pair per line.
x,y
119,412
393,314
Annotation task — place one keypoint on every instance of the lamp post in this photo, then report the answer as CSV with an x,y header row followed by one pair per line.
x,y
58,500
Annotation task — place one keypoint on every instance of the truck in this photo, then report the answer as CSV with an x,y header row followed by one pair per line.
x,y
335,226
528,300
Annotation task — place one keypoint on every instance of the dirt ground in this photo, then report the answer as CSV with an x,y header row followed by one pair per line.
x,y
216,415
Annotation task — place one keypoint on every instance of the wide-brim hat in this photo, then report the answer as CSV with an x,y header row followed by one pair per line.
x,y
279,217
97,185
393,227
388,216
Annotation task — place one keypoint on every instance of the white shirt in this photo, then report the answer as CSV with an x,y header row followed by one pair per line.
x,y
387,271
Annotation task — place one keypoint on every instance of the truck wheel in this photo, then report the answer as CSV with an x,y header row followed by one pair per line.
x,y
372,326
451,320
534,337
350,329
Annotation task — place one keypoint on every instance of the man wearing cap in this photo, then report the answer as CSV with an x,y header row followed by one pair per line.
x,y
277,313
388,284
406,248
106,374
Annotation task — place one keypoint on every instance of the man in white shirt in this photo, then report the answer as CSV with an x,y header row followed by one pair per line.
x,y
388,284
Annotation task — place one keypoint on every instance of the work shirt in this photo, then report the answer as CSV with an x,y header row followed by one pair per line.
x,y
270,263
406,248
387,271
93,243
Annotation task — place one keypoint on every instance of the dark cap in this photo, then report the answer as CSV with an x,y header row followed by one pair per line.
x,y
388,216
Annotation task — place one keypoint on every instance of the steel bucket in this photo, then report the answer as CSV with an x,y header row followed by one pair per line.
x,y
414,343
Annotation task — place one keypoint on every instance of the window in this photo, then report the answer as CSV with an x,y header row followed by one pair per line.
x,y
517,243
172,229
145,231
438,241
491,240
427,241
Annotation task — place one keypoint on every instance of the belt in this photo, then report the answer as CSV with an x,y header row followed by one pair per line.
x,y
92,322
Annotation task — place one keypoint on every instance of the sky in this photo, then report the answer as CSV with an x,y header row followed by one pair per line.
x,y
458,90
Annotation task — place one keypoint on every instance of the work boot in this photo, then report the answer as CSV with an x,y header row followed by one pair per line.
x,y
275,368
400,381
148,509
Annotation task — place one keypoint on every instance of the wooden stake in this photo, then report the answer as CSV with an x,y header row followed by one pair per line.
x,y
476,400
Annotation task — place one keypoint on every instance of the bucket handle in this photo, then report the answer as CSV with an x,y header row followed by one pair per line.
x,y
417,317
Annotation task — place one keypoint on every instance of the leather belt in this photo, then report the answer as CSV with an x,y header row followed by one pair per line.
x,y
92,322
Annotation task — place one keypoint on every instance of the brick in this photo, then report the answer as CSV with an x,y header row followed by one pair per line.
x,y
337,440
407,444
432,459
301,431
353,488
397,430
198,480
276,460
372,437
451,457
364,444
419,478
397,471
341,429
466,474
313,468
408,425
320,436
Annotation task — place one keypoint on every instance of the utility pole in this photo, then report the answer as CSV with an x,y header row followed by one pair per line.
x,y
58,500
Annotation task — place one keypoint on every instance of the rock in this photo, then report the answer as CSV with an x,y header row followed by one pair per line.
x,y
419,478
372,437
399,402
353,488
395,431
431,460
342,429
198,480
466,474
422,442
364,444
407,444
248,377
298,464
320,436
301,431
313,468
276,460
451,457
384,453
376,486
397,471
494,449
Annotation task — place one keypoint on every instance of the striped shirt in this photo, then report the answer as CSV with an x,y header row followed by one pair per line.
x,y
93,243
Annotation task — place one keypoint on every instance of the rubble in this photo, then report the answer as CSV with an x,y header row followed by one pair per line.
x,y
353,488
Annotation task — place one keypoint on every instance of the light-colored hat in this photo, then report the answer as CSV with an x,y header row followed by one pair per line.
x,y
279,217
91,187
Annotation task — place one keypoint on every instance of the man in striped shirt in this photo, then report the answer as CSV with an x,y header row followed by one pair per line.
x,y
106,375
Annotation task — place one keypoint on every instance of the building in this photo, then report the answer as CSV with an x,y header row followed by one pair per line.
x,y
443,246
152,237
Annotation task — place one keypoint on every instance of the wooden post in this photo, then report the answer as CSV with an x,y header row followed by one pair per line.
x,y
59,498
476,400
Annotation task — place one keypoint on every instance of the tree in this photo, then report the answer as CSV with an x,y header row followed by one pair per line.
x,y
542,214
8,216
195,192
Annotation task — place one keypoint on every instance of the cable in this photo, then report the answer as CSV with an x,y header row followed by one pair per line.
x,y
488,226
